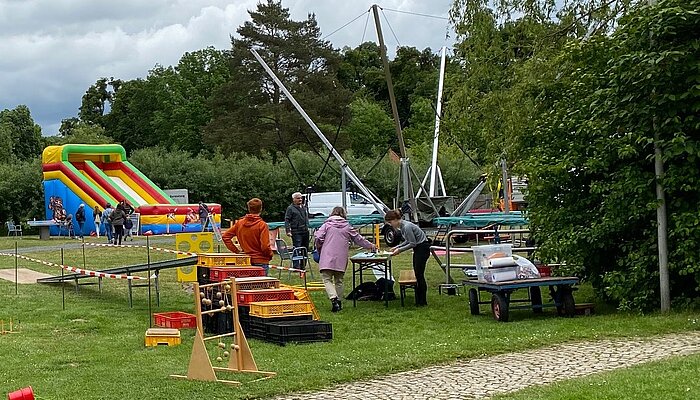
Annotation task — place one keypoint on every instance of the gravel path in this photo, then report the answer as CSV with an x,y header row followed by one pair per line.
x,y
483,377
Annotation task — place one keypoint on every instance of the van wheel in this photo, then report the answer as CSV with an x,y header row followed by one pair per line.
x,y
391,237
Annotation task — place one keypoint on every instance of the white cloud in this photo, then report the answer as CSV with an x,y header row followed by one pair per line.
x,y
51,51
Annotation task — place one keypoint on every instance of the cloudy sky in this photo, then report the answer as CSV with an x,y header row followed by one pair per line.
x,y
51,51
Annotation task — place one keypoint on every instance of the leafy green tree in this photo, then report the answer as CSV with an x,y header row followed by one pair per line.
x,y
22,194
95,99
370,130
24,134
250,113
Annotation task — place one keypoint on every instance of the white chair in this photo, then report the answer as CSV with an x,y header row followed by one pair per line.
x,y
13,229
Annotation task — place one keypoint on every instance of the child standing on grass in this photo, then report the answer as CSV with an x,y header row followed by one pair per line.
x,y
332,241
97,217
253,236
414,238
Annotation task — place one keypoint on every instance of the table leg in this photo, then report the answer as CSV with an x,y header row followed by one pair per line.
x,y
386,285
354,297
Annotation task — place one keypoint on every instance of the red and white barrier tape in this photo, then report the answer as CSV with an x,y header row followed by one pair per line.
x,y
86,272
134,246
187,253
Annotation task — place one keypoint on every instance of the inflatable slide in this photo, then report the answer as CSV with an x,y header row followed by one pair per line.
x,y
95,175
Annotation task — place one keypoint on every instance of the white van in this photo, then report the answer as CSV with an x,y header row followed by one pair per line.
x,y
321,204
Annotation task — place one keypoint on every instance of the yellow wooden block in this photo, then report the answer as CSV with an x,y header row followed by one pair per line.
x,y
162,337
196,243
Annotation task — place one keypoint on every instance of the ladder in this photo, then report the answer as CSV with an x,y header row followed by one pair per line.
x,y
215,228
440,234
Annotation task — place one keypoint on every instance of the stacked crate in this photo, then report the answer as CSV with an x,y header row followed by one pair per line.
x,y
276,314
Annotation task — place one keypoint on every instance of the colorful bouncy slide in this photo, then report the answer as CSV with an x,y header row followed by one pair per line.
x,y
95,175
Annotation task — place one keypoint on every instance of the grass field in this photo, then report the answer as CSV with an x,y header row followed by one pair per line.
x,y
94,348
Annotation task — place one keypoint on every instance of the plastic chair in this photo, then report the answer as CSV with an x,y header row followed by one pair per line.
x,y
299,254
13,229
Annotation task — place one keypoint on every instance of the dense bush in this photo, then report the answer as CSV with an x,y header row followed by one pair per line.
x,y
22,194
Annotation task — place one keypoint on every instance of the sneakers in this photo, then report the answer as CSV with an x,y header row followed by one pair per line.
x,y
337,305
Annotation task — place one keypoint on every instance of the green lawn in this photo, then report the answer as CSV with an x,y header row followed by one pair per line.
x,y
94,349
672,379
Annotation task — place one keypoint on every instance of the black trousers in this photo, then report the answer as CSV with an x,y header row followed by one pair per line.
x,y
300,239
118,232
421,253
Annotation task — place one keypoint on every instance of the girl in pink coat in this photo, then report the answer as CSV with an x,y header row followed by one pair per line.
x,y
333,240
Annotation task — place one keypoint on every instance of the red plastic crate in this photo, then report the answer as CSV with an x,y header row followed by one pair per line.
x,y
245,297
175,319
221,274
544,270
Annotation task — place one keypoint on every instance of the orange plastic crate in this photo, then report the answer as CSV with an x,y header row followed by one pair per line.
x,y
271,309
246,297
175,319
257,283
222,259
220,274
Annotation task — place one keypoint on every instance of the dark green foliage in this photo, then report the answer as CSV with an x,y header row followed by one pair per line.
x,y
591,167
20,137
22,194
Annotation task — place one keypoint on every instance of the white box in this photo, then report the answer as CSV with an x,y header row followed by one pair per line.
x,y
484,273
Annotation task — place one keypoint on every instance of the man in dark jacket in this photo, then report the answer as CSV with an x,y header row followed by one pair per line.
x,y
80,219
296,225
203,215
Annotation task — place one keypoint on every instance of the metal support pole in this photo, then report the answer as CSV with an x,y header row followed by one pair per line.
x,y
378,204
16,269
148,263
344,180
83,244
506,206
63,283
408,185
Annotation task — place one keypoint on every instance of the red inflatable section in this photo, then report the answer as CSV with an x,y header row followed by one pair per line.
x,y
177,209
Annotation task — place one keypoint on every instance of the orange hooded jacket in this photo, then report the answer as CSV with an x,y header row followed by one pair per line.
x,y
253,236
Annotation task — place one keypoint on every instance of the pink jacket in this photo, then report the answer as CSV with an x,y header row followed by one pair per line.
x,y
333,242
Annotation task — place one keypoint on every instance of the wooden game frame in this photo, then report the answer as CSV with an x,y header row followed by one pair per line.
x,y
240,359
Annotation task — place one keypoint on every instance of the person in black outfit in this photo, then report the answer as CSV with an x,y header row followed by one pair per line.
x,y
203,215
117,219
80,219
296,225
414,238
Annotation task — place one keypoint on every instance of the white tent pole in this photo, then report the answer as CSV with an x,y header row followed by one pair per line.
x,y
438,113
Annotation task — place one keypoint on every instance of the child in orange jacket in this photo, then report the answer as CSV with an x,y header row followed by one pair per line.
x,y
253,236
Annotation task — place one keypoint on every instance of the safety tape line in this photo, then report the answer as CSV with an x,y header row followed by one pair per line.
x,y
77,270
187,253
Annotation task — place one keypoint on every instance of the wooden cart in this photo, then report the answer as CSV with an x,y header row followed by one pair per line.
x,y
560,288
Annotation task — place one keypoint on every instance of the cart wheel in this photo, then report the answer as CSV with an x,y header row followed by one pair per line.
x,y
473,301
567,305
536,299
499,307
391,237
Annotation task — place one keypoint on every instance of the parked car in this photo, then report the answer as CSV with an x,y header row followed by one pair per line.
x,y
321,204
